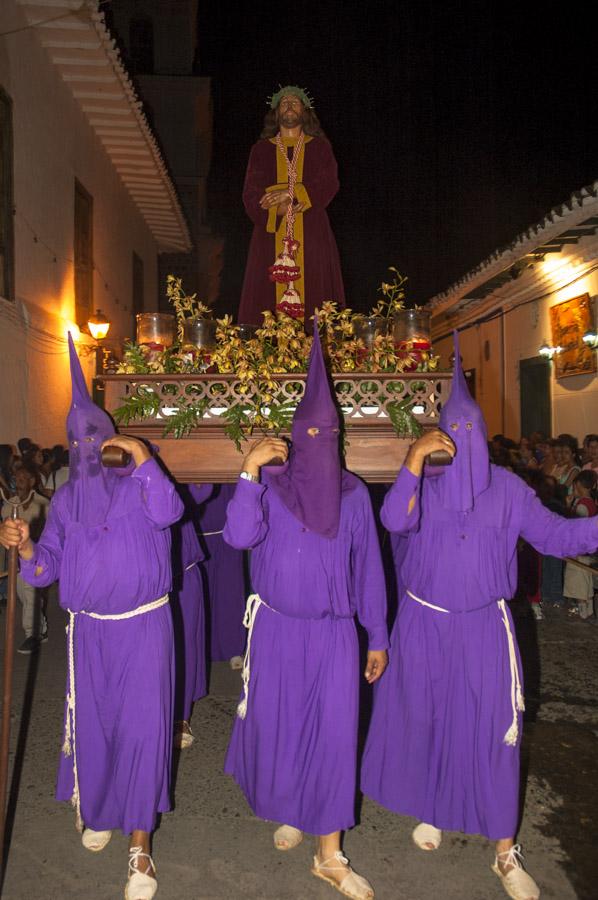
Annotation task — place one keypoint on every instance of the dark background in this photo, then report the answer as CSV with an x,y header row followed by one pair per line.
x,y
455,125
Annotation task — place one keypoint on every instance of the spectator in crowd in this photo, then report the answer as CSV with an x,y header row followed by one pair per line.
x,y
33,512
6,473
566,467
591,445
527,459
549,459
24,444
47,474
578,585
551,591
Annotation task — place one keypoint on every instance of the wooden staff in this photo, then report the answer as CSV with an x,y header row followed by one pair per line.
x,y
9,647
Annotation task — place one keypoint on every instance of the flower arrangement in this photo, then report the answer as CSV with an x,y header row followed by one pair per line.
x,y
393,295
186,307
279,346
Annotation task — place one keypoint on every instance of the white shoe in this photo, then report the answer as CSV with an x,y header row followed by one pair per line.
x,y
236,663
352,885
424,834
537,611
517,883
140,886
95,840
287,838
183,739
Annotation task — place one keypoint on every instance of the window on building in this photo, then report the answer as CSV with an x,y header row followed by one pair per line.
x,y
138,290
6,199
141,45
83,253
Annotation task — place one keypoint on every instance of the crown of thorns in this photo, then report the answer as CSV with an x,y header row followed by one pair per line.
x,y
275,99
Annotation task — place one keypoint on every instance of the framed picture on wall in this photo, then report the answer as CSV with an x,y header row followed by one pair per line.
x,y
569,322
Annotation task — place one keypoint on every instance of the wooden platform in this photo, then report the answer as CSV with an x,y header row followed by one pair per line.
x,y
207,454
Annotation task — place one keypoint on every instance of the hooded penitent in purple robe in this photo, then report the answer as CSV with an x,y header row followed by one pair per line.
x,y
443,743
294,752
187,603
107,541
225,582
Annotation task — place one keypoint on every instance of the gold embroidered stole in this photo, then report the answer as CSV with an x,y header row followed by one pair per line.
x,y
282,179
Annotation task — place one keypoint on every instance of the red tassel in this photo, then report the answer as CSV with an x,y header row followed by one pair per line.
x,y
290,303
284,270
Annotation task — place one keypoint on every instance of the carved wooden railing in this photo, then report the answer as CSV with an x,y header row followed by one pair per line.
x,y
373,449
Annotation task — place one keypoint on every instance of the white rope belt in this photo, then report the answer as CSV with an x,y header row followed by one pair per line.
x,y
517,701
254,601
70,729
211,533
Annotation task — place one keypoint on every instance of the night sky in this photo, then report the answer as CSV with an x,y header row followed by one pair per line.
x,y
455,126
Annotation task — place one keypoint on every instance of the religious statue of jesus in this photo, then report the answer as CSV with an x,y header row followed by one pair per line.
x,y
293,263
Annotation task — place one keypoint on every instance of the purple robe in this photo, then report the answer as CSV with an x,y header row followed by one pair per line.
x,y
224,569
124,669
294,755
187,604
435,748
322,278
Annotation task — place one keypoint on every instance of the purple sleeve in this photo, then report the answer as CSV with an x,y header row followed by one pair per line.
x,y
246,524
161,502
553,535
368,579
44,566
201,492
322,186
394,513
257,179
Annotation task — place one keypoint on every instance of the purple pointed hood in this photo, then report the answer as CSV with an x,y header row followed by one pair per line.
x,y
310,484
461,418
87,427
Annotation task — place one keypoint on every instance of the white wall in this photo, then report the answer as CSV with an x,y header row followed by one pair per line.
x,y
53,145
574,398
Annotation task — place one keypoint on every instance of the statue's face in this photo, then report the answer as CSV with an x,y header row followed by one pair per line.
x,y
290,111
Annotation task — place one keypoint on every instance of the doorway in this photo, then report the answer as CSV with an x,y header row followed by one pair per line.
x,y
534,387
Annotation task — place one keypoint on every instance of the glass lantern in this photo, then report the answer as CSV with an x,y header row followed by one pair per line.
x,y
247,332
411,329
200,333
368,328
156,330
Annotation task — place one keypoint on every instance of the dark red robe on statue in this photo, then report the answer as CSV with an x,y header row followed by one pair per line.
x,y
320,267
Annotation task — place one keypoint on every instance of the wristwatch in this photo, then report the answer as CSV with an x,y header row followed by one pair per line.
x,y
248,476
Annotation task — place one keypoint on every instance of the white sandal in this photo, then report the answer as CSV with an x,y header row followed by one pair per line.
x,y
517,883
183,739
95,840
287,838
352,885
140,886
236,663
424,834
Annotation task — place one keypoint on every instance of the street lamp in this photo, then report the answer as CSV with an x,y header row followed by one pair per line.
x,y
99,325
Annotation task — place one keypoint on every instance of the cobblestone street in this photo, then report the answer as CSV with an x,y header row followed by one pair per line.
x,y
213,847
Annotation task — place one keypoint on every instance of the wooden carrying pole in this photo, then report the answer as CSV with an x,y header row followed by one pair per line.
x,y
9,641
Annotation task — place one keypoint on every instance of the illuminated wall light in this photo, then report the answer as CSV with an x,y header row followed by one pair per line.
x,y
548,351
